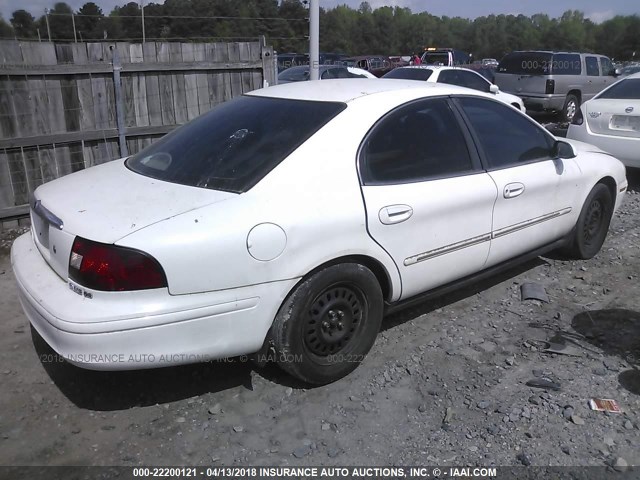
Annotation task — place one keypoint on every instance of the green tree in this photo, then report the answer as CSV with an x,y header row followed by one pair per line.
x,y
90,21
6,31
24,24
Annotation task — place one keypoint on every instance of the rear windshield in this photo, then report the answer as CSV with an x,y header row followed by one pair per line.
x,y
525,63
236,144
409,73
541,63
436,58
623,90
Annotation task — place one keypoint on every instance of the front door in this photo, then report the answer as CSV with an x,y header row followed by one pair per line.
x,y
535,190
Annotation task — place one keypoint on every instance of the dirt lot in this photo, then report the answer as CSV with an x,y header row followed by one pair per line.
x,y
443,385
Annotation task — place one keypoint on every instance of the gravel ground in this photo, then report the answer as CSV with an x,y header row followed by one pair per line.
x,y
445,384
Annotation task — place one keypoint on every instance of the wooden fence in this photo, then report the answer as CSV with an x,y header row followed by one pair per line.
x,y
65,107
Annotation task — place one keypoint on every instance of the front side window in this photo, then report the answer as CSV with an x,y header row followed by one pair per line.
x,y
507,137
415,142
607,66
593,69
233,146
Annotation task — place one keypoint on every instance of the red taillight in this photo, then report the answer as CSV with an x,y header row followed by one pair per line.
x,y
100,266
550,87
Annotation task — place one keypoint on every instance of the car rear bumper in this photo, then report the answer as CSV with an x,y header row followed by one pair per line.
x,y
171,330
625,149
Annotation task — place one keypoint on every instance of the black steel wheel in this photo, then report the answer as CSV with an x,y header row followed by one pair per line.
x,y
593,223
328,324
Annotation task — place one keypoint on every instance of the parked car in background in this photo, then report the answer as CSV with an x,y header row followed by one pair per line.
x,y
462,77
378,65
288,60
301,74
252,228
557,82
611,121
447,57
492,62
629,69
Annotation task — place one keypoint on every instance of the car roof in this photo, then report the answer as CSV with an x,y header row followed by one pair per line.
x,y
436,67
347,90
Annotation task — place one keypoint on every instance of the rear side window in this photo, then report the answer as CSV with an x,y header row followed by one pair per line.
x,y
566,64
409,73
593,69
418,141
623,90
525,63
236,144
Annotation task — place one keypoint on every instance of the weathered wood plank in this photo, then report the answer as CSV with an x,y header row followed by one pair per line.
x,y
71,103
55,106
136,54
128,100
32,168
202,84
152,85
166,99
76,158
190,83
100,102
8,121
39,100
85,93
10,53
141,111
235,77
245,56
18,177
6,188
111,101
47,161
21,102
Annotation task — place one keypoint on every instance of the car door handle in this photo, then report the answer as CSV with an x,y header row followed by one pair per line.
x,y
395,214
512,190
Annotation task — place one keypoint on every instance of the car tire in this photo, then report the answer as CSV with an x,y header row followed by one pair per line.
x,y
328,324
593,224
571,106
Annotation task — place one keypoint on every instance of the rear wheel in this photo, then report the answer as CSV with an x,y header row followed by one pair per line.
x,y
325,328
593,223
571,105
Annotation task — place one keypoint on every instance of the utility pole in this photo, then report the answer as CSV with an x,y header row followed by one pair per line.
x,y
314,40
142,8
46,17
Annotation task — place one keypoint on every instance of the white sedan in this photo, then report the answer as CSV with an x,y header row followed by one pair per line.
x,y
289,220
611,121
462,77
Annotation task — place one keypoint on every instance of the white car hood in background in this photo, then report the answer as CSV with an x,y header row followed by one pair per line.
x,y
108,202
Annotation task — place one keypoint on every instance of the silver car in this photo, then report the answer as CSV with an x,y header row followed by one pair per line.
x,y
557,82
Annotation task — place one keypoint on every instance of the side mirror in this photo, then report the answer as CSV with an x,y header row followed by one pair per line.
x,y
616,72
493,88
562,149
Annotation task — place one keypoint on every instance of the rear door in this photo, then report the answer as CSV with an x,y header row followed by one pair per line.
x,y
535,191
428,201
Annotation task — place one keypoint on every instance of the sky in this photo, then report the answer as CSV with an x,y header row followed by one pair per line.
x,y
596,10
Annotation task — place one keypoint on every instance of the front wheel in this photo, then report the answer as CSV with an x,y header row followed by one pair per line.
x,y
328,324
593,223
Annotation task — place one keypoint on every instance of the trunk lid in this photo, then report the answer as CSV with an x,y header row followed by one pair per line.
x,y
104,204
614,117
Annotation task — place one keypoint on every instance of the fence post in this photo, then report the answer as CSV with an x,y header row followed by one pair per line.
x,y
268,71
117,67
